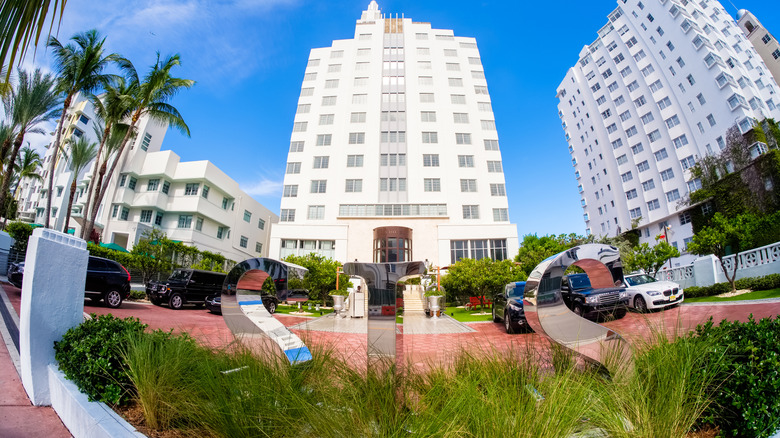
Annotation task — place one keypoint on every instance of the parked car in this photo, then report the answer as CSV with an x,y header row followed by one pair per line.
x,y
508,307
214,303
185,286
584,300
646,293
106,280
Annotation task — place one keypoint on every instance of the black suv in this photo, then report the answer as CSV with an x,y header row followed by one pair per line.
x,y
185,286
508,307
584,300
106,280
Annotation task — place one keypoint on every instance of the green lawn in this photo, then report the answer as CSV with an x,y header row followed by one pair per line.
x,y
463,315
756,295
288,310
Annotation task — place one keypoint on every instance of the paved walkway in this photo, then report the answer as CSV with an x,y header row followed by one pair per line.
x,y
18,417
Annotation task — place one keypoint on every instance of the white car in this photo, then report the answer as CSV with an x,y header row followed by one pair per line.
x,y
646,293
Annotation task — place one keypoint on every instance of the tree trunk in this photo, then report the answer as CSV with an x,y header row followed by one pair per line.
x,y
53,157
91,186
70,204
99,194
732,279
10,168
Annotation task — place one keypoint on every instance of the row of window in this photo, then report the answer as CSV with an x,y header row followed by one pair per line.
x,y
317,212
429,160
359,99
391,185
391,137
400,116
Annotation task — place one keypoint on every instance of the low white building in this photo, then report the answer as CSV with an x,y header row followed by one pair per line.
x,y
192,202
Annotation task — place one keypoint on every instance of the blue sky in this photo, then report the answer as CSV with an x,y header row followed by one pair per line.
x,y
248,58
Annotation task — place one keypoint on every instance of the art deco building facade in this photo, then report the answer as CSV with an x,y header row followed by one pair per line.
x,y
394,153
652,95
193,202
763,41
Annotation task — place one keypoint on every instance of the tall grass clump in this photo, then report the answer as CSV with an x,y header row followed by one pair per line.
x,y
661,392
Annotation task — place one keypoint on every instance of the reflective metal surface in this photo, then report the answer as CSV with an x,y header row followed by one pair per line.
x,y
243,309
547,313
381,280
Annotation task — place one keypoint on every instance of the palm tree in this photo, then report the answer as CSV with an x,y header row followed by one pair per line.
x,y
150,98
79,68
21,23
33,103
111,107
27,164
7,136
82,152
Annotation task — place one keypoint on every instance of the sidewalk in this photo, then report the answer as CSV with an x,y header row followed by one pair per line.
x,y
18,417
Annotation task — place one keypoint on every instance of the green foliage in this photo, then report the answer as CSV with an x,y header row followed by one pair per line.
x,y
136,295
650,259
722,235
90,355
767,282
20,232
747,401
211,261
152,254
534,249
483,277
124,258
321,278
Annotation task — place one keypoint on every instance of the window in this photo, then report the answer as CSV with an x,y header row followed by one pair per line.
x,y
428,116
673,195
299,126
673,121
612,87
661,154
146,216
324,139
623,159
289,191
625,115
462,138
293,168
453,66
354,161
465,161
626,177
687,162
286,215
426,97
635,213
711,119
392,160
432,184
430,160
637,148
654,136
392,184
640,101
630,132
468,185
489,125
491,145
296,146
611,128
130,185
145,143
643,166
655,86
633,86
647,70
617,143
667,174
315,212
647,118
497,190
307,92
258,247
321,162
648,185
153,185
500,215
191,189
357,138
494,166
631,194
766,38
653,205
319,186
185,221
680,141
685,218
471,212
460,117
361,82
326,119
357,99
455,82
664,103
430,137
353,186
166,186
484,107
606,113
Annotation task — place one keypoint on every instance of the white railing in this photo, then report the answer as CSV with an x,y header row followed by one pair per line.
x,y
676,274
755,257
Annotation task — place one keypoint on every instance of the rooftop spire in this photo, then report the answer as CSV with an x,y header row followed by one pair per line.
x,y
372,13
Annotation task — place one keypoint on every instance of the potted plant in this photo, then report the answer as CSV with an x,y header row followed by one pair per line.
x,y
434,295
338,300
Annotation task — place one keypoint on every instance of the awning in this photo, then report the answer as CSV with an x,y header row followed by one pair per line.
x,y
113,246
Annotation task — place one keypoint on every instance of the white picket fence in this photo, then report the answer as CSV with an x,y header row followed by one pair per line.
x,y
705,271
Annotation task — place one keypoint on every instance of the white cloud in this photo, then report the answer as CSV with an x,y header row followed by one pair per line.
x,y
264,187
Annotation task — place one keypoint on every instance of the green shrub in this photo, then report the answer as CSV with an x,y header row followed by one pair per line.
x,y
124,258
137,295
21,233
747,403
767,282
90,355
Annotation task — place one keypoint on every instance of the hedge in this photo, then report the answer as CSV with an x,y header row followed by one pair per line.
x,y
767,282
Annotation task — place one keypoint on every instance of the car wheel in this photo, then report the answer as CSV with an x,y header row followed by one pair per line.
x,y
271,307
495,318
176,301
578,309
639,304
113,299
508,325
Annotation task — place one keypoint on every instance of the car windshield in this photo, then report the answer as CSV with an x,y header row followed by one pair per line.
x,y
636,280
517,291
579,282
179,275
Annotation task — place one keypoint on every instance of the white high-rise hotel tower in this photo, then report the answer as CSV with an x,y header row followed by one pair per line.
x,y
394,154
653,94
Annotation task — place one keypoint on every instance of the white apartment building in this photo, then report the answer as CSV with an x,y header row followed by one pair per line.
x,y
192,202
394,153
653,94
763,41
